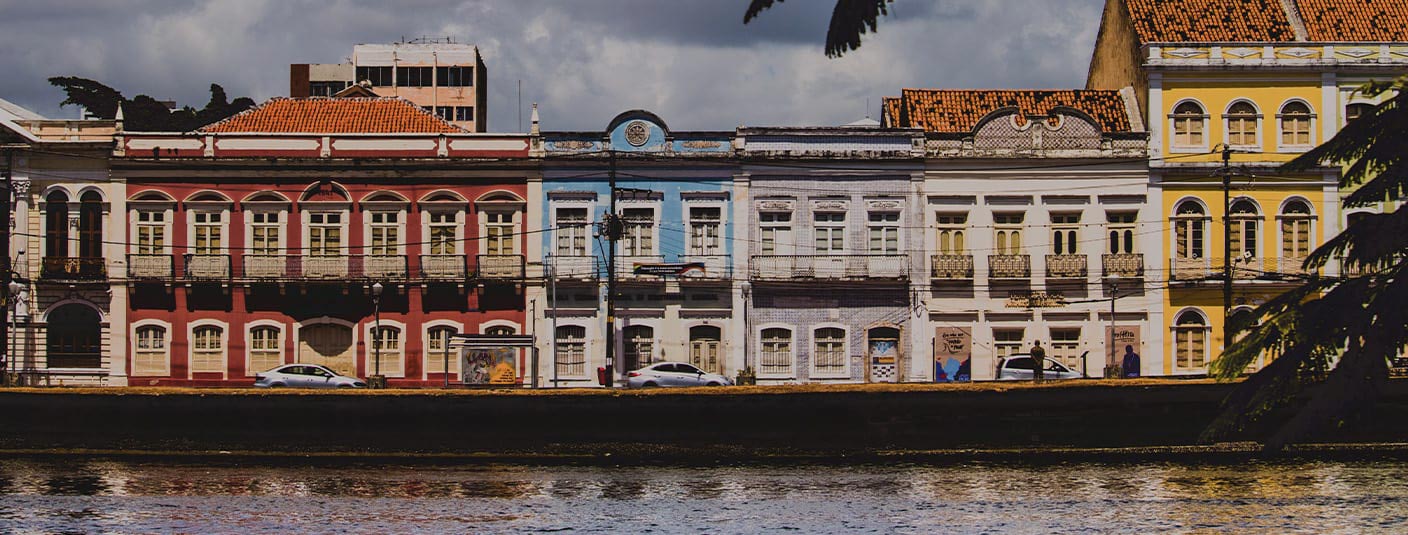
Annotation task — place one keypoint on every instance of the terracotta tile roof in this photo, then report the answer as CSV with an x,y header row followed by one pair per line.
x,y
1355,20
321,115
959,110
890,110
1164,21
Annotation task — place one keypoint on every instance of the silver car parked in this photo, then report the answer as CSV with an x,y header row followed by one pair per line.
x,y
305,376
1019,368
673,374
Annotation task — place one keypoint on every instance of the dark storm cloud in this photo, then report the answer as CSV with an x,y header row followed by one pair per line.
x,y
695,63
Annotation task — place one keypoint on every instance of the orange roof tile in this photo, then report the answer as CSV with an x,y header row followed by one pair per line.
x,y
1355,20
1222,21
320,115
959,110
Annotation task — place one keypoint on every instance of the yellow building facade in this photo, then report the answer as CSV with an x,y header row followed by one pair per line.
x,y
1261,81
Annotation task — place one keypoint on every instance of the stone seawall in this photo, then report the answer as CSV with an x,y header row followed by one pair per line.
x,y
724,423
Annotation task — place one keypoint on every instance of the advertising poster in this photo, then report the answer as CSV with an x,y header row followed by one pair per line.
x,y
884,354
496,366
1125,335
953,347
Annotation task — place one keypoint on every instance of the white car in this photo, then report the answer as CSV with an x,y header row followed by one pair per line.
x,y
1019,368
305,376
673,374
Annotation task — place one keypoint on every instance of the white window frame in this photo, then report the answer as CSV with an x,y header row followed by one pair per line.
x,y
517,210
1239,225
1066,233
947,226
280,227
1282,216
816,372
831,228
193,210
557,348
1125,232
656,349
399,356
1173,146
1200,221
165,352
693,225
430,355
885,227
766,228
485,326
1004,246
558,225
1205,328
999,345
224,346
167,211
790,372
306,215
283,339
627,247
1260,125
1314,119
370,211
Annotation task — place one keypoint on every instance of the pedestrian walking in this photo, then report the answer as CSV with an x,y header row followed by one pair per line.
x,y
1038,361
1131,362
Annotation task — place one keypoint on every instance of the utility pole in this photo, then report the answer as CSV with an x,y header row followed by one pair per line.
x,y
613,230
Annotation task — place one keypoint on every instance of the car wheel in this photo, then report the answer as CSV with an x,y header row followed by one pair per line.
x,y
649,384
713,383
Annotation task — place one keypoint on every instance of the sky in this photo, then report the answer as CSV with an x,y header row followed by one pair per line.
x,y
693,62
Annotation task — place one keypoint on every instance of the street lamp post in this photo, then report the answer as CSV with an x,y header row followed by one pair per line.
x,y
377,379
1112,365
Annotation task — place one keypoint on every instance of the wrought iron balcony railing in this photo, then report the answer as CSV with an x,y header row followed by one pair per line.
x,y
450,267
70,268
1128,265
499,267
1066,266
207,267
952,267
1009,266
574,267
149,267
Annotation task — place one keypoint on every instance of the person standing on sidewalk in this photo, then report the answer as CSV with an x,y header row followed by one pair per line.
x,y
1038,361
1131,362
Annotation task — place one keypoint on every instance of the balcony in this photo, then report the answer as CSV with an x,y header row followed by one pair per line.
x,y
574,267
333,267
207,267
449,267
1009,266
830,267
499,267
268,267
1201,269
1066,266
626,264
1293,266
952,267
381,267
1127,265
149,267
325,267
715,267
69,268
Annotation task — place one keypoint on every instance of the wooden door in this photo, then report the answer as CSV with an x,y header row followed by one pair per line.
x,y
328,345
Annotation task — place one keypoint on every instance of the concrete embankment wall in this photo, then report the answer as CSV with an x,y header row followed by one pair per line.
x,y
723,422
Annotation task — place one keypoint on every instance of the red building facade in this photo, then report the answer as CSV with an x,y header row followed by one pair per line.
x,y
262,240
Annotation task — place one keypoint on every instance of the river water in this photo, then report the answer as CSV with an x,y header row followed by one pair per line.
x,y
307,497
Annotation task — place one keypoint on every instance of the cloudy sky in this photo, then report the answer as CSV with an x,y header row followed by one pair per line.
x,y
693,62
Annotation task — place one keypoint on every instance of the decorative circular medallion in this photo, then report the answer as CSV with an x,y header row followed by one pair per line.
x,y
637,133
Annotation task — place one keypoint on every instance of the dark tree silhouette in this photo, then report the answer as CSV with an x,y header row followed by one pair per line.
x,y
1332,338
849,20
146,113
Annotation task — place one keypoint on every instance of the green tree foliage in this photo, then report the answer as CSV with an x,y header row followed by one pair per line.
x,y
144,113
849,20
1332,338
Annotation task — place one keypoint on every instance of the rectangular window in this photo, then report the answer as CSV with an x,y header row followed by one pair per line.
x,y
436,342
1244,236
1065,229
1188,234
1121,232
464,113
776,233
1190,345
571,351
326,89
952,232
151,351
206,349
386,233
1295,237
885,233
264,233
830,231
704,231
442,233
378,76
1006,342
414,76
454,76
571,232
151,232
207,232
640,232
1007,230
500,233
264,349
830,356
325,233
386,341
776,355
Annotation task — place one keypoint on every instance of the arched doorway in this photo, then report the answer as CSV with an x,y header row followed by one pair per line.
x,y
883,354
704,342
327,344
74,337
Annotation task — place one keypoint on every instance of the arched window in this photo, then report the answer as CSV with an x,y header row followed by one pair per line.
x,y
704,342
1190,228
437,344
1357,110
1189,122
56,225
150,355
265,348
776,352
1295,236
639,345
1190,334
829,355
386,347
207,349
73,337
1245,223
1242,124
1295,124
90,225
500,330
571,342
